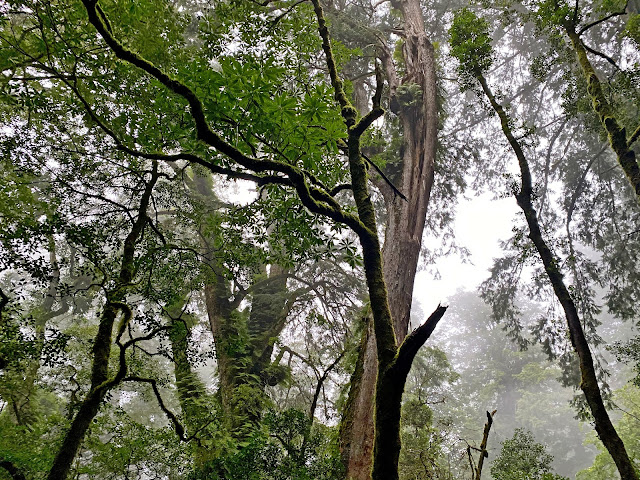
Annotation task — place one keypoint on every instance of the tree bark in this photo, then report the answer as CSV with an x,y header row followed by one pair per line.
x,y
405,224
191,390
356,427
616,133
243,345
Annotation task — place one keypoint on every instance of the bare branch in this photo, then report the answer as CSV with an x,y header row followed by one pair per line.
x,y
634,136
602,55
395,189
412,343
177,426
608,17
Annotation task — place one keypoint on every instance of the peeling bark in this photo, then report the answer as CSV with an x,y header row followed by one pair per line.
x,y
405,224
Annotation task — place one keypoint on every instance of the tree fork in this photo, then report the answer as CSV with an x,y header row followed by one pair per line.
x,y
406,219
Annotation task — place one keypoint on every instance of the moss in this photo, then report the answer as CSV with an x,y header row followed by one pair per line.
x,y
349,113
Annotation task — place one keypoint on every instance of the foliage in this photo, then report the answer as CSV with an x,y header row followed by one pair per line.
x,y
629,352
603,468
29,447
289,448
521,458
121,447
422,439
471,45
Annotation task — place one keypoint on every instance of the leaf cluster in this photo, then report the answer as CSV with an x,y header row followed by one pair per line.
x,y
470,45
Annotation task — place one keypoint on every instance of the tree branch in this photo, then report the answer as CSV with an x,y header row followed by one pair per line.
x,y
412,343
177,426
321,380
339,188
395,189
634,136
483,445
608,17
602,55
314,198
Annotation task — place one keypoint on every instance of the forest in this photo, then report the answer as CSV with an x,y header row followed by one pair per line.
x,y
223,224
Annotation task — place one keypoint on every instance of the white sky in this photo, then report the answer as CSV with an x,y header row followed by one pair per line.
x,y
481,223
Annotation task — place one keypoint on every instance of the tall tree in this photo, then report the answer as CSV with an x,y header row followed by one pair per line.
x,y
200,135
470,43
413,97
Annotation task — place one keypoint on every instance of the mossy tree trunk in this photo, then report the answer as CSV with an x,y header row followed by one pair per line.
x,y
616,133
405,224
244,344
244,341
192,393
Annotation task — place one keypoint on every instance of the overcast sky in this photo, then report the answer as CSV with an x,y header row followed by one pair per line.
x,y
481,223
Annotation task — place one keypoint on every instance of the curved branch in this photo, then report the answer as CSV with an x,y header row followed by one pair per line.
x,y
313,197
608,17
339,188
177,426
602,55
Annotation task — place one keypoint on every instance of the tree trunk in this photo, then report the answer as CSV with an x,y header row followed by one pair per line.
x,y
191,391
356,427
101,383
616,133
20,397
589,382
90,406
243,345
404,229
244,352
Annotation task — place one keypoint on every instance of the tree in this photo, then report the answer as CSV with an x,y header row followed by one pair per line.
x,y
471,45
603,466
198,139
569,19
521,458
413,100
